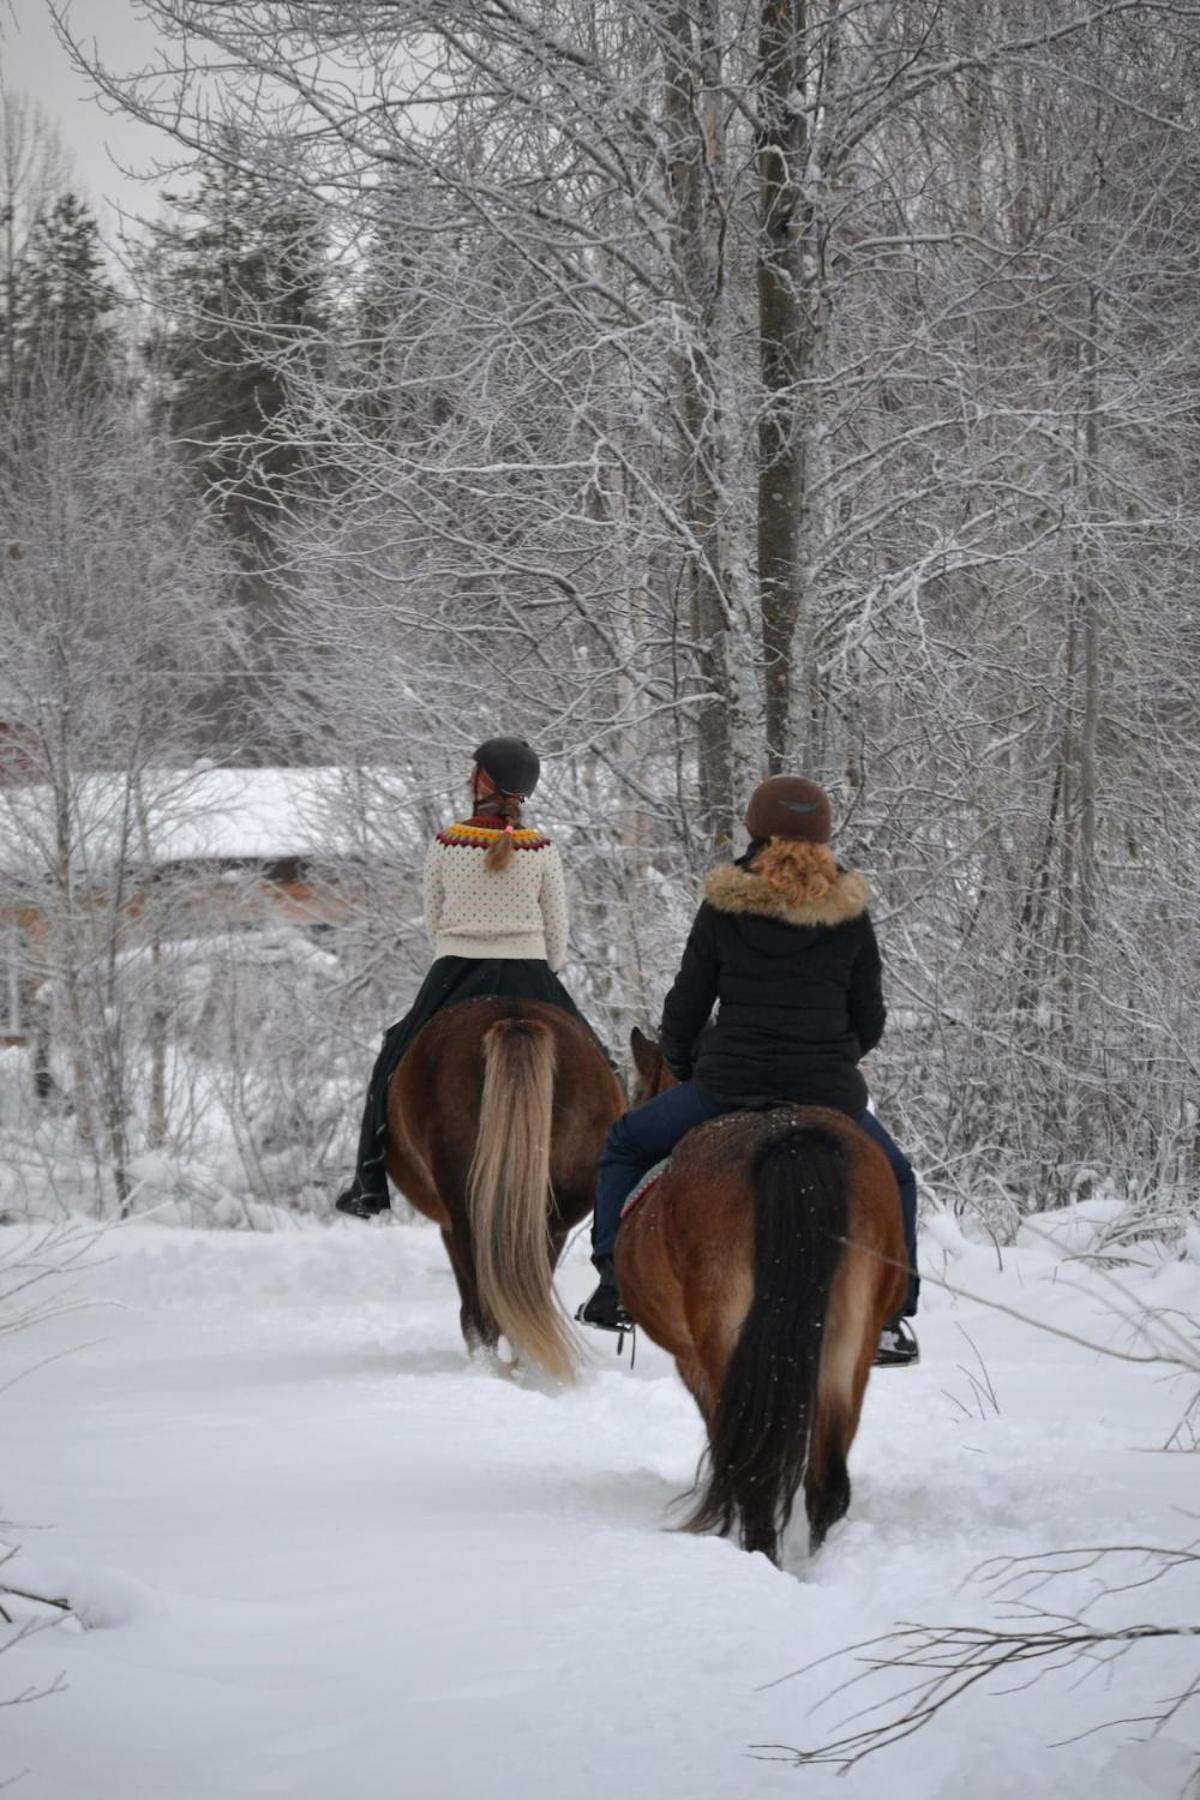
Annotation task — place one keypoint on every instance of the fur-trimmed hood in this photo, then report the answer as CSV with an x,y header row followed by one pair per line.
x,y
734,890
786,952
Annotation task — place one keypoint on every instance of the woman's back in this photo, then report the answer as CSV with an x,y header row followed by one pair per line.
x,y
476,910
786,950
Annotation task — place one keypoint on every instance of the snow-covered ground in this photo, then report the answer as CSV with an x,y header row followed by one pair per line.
x,y
320,1555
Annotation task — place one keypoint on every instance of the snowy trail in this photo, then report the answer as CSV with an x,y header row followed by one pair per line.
x,y
326,1557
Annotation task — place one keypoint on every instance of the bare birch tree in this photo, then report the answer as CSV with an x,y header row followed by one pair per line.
x,y
718,388
111,614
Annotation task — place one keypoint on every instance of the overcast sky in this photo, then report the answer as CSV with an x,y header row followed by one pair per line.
x,y
33,63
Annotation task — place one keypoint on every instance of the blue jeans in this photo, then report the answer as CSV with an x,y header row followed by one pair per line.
x,y
637,1141
649,1133
906,1181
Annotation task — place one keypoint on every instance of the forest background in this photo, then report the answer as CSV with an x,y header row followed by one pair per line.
x,y
697,389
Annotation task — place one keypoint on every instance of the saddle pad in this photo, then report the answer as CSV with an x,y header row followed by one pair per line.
x,y
645,1184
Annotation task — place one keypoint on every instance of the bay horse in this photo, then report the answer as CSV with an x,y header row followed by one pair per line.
x,y
766,1260
495,1120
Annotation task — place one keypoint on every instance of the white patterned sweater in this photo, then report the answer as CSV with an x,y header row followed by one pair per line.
x,y
520,911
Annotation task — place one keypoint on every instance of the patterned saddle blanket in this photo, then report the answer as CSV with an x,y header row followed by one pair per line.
x,y
649,1179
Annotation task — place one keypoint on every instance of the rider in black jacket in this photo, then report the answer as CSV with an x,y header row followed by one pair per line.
x,y
784,947
800,989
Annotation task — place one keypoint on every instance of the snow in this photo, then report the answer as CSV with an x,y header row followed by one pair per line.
x,y
198,813
318,1553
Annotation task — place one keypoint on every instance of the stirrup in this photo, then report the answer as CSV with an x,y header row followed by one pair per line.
x,y
621,1323
623,1327
361,1206
897,1347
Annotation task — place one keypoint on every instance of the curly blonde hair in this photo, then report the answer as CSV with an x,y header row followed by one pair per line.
x,y
796,870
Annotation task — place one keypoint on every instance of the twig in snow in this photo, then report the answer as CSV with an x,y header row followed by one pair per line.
x,y
947,1661
981,1384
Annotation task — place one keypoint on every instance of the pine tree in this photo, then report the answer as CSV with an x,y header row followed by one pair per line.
x,y
31,173
239,288
65,300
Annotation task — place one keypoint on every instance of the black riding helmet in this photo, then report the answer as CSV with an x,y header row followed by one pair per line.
x,y
512,764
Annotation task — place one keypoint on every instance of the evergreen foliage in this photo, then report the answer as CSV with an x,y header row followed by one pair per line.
x,y
64,306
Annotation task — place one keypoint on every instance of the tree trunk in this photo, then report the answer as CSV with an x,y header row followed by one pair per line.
x,y
691,78
787,323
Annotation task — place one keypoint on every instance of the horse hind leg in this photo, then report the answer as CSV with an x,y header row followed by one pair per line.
x,y
695,1380
845,1365
827,1478
479,1331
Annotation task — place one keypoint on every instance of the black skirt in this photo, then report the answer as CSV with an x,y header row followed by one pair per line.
x,y
450,980
455,978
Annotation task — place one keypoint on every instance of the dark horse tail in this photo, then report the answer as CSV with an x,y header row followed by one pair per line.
x,y
760,1438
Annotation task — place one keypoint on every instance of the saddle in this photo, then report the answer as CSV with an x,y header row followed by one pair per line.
x,y
649,1180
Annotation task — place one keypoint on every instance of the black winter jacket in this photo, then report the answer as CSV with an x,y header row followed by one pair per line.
x,y
799,991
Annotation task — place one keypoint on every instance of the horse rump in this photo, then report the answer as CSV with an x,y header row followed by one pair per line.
x,y
764,1420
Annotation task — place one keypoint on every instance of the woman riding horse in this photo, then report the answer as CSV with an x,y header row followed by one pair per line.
x,y
783,944
496,911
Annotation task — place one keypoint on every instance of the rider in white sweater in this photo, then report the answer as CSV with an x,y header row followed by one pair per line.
x,y
474,909
495,909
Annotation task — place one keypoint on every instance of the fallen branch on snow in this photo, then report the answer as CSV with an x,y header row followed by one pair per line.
x,y
949,1660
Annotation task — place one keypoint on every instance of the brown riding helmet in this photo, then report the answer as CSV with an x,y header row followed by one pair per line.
x,y
788,806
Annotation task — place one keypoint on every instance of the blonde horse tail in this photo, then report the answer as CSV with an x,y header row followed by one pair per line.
x,y
509,1194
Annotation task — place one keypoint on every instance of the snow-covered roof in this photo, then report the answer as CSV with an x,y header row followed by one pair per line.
x,y
197,814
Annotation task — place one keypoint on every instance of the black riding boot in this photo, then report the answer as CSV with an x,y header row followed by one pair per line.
x,y
367,1196
604,1309
362,1206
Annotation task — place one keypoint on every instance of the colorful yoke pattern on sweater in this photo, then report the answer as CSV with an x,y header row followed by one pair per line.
x,y
650,1179
479,837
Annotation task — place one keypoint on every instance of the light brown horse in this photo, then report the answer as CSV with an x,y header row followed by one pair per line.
x,y
496,1117
766,1261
